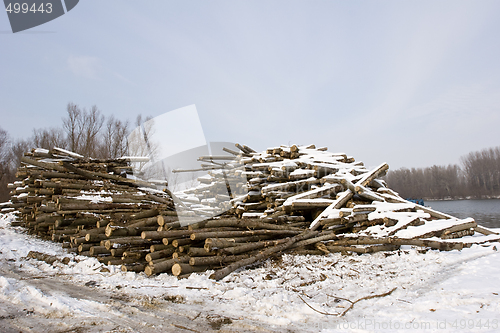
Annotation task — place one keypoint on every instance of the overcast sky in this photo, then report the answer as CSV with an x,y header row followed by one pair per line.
x,y
410,83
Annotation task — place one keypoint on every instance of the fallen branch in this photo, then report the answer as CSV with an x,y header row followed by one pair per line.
x,y
340,314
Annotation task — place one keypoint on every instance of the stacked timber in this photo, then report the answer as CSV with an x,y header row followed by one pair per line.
x,y
65,197
248,206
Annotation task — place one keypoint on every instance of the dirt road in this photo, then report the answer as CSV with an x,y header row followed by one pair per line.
x,y
100,310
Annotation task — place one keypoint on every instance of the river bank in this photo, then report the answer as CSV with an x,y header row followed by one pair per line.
x,y
485,212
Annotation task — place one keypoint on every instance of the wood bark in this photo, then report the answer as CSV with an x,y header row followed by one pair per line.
x,y
166,253
216,260
185,268
225,234
438,245
133,240
102,175
219,243
247,247
163,265
338,203
220,274
134,267
43,165
246,223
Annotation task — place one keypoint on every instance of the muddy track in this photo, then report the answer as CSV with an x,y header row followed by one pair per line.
x,y
105,310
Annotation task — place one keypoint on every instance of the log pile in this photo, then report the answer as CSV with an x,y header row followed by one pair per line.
x,y
65,197
248,207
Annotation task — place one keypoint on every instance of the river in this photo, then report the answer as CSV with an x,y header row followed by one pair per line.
x,y
485,212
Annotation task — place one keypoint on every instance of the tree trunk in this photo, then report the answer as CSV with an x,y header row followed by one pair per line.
x,y
220,274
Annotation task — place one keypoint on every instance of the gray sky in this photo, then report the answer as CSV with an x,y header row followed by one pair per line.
x,y
410,83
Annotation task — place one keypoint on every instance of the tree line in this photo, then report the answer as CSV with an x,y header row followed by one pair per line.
x,y
84,131
477,177
88,132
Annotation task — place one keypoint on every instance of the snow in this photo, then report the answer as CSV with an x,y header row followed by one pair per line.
x,y
69,153
307,194
95,197
253,215
151,190
299,201
404,219
435,291
135,158
41,151
429,227
278,186
302,172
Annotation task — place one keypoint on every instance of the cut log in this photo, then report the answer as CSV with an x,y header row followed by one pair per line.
x,y
485,231
49,259
436,228
129,231
91,237
199,252
247,247
324,236
97,250
219,243
221,273
439,245
113,261
133,240
216,260
135,267
308,204
166,253
368,177
163,265
225,234
362,250
185,268
43,165
169,221
246,223
315,193
102,175
337,204
158,247
180,242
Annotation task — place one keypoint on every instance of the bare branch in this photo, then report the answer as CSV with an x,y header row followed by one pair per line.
x,y
340,314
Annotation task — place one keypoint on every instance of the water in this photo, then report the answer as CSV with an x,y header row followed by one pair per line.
x,y
485,212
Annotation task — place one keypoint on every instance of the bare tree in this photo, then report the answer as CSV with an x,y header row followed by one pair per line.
x,y
140,144
4,146
480,177
92,124
49,138
19,147
172,179
82,129
6,172
86,132
115,138
73,126
482,169
436,182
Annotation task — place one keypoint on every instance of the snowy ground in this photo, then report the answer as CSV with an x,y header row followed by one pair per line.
x,y
435,292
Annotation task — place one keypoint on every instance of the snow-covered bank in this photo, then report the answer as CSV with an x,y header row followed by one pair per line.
x,y
435,291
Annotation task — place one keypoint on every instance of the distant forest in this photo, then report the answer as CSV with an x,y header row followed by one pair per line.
x,y
477,177
90,133
85,131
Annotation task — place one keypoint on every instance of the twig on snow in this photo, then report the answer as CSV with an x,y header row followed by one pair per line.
x,y
340,314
